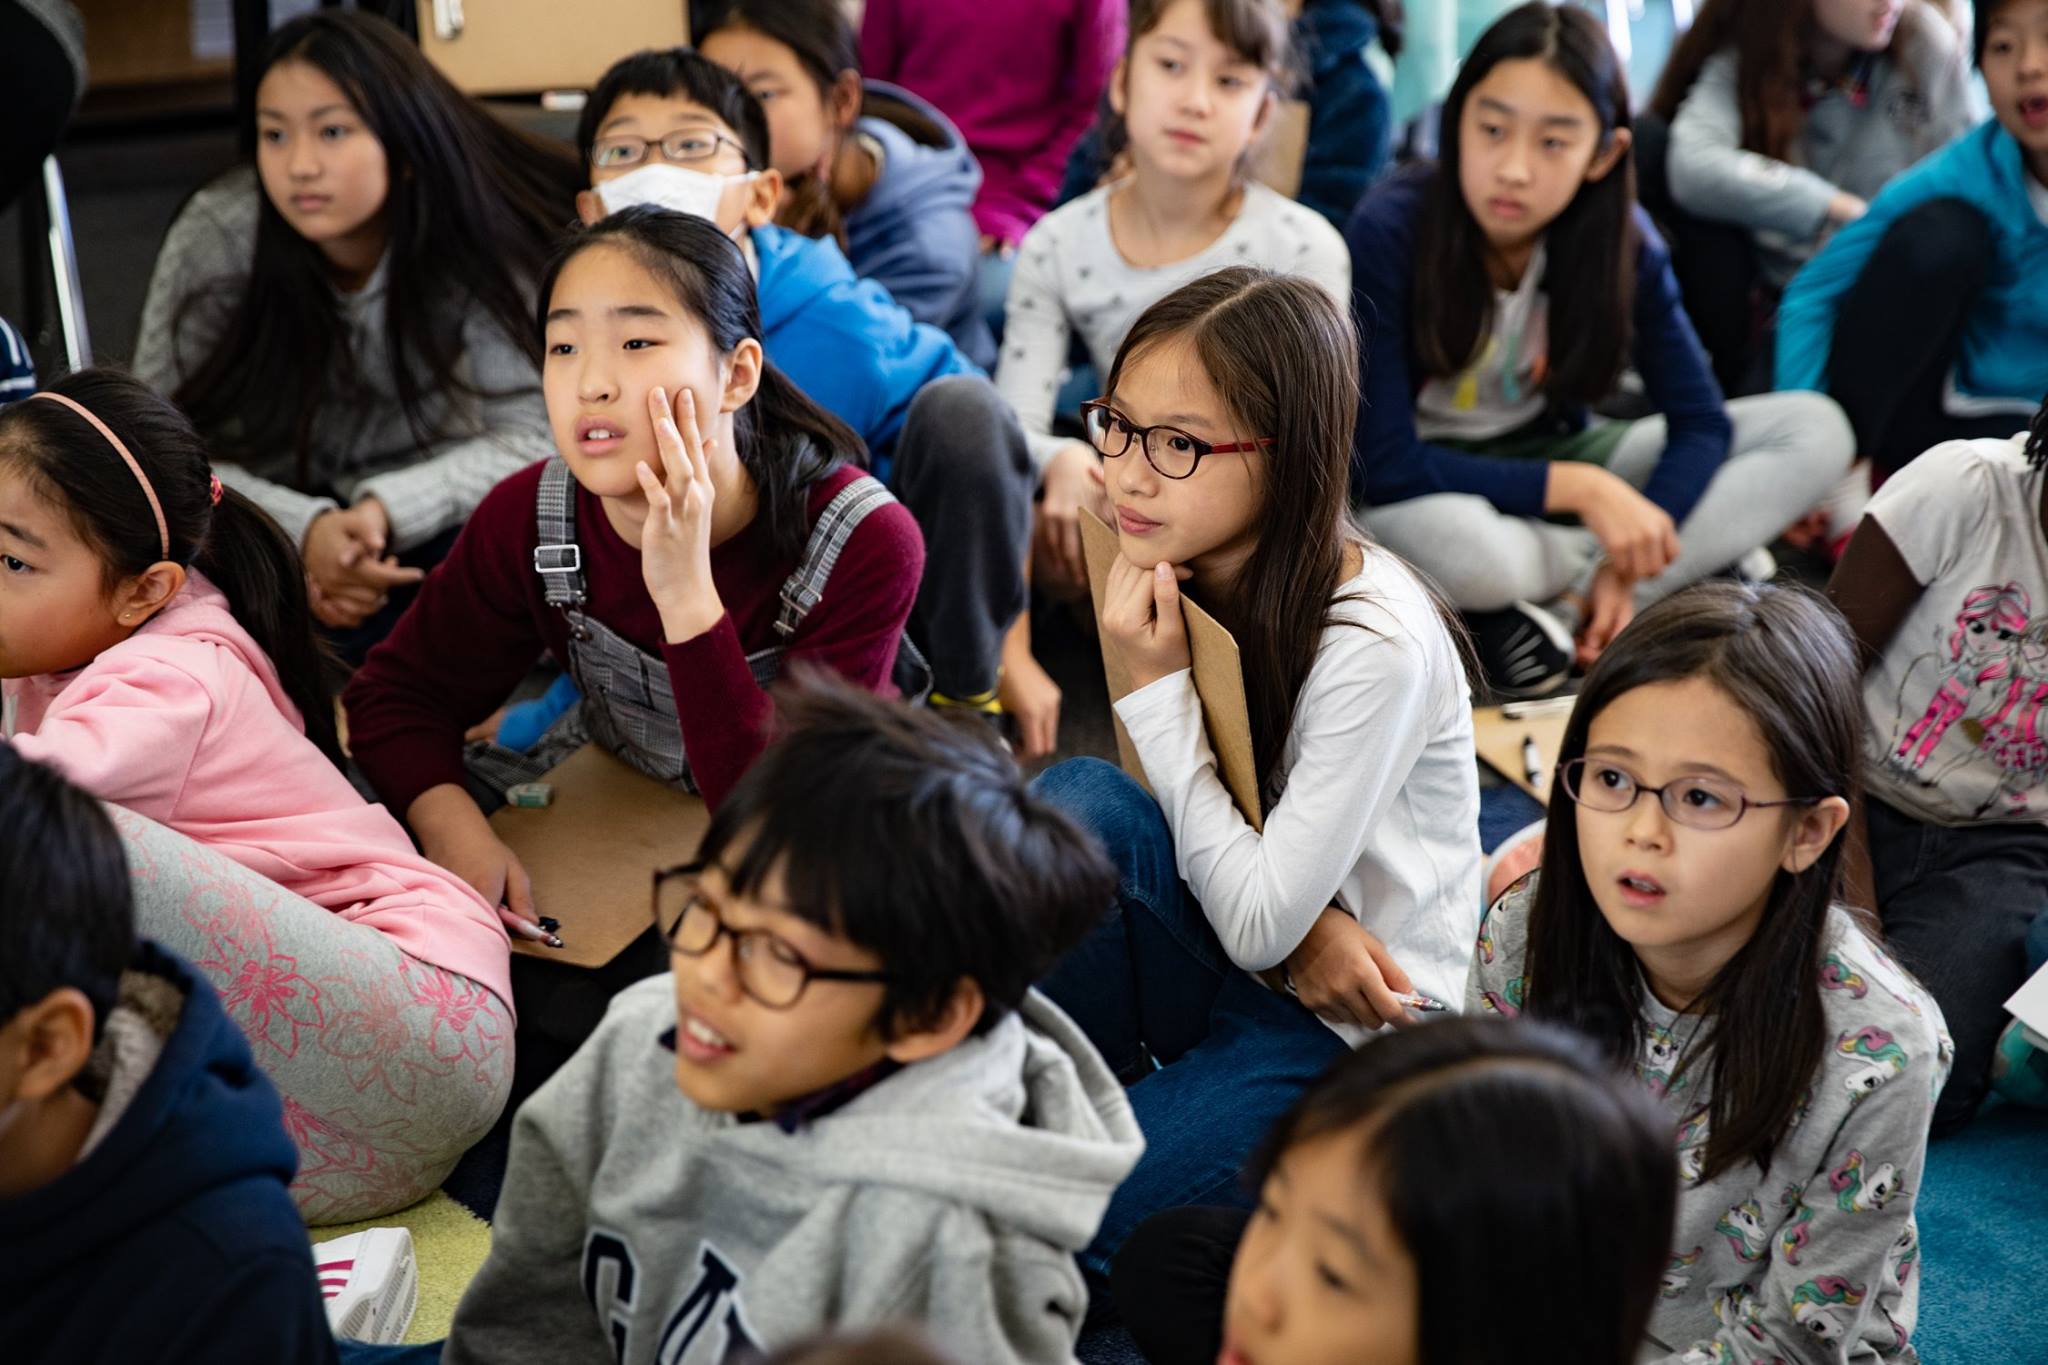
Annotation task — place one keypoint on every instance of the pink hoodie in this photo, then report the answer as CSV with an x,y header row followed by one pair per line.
x,y
185,722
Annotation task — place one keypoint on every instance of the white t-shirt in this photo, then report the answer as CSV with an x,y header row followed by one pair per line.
x,y
1070,278
1956,728
1377,802
1502,389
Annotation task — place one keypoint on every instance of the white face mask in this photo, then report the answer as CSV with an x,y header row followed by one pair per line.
x,y
660,185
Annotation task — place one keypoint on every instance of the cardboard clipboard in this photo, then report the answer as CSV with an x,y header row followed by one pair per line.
x,y
1219,681
594,852
1498,740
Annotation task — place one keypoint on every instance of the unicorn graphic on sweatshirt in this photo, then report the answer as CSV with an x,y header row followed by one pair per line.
x,y
1817,1305
1837,975
1738,1310
1507,1001
1792,1238
1884,1059
1744,1228
1980,653
1678,1274
1859,1192
1692,1146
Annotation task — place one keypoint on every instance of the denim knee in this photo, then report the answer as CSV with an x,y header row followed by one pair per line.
x,y
1125,818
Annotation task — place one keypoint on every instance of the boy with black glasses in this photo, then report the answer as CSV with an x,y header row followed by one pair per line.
x,y
845,1106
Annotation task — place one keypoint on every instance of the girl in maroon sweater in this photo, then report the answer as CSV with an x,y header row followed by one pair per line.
x,y
704,527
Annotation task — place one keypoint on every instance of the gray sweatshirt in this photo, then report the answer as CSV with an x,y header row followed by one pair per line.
x,y
635,1226
1918,99
362,445
1812,1260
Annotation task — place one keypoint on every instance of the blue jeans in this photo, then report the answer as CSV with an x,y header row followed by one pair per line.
x,y
361,1353
1958,904
1212,1058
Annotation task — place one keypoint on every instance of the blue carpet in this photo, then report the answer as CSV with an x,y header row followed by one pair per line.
x,y
1984,1234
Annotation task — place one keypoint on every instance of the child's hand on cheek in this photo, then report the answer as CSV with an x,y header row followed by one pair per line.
x,y
1141,618
675,542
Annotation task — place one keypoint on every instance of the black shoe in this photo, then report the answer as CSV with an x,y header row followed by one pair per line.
x,y
1523,650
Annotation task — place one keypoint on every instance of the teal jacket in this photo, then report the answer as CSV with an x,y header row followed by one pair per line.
x,y
2004,350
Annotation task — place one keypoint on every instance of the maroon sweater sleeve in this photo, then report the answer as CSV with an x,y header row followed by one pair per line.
x,y
854,631
467,640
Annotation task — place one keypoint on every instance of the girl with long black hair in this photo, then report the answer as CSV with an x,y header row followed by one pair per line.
x,y
1505,289
704,527
347,321
1686,918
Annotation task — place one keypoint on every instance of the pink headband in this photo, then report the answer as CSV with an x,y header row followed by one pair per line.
x,y
163,530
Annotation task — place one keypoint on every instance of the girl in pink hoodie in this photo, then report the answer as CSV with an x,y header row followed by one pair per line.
x,y
158,649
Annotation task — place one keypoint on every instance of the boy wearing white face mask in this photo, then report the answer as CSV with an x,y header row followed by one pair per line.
x,y
143,1157
669,128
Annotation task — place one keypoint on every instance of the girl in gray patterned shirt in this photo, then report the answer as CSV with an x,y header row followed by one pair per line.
x,y
1685,918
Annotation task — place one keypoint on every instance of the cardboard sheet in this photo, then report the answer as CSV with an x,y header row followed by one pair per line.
x,y
1498,739
493,47
594,852
1219,681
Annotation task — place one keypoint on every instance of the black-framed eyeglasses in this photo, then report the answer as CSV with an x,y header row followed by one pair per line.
x,y
686,147
768,968
1170,451
1700,802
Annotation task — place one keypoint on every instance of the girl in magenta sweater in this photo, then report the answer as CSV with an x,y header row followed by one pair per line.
x,y
158,650
705,527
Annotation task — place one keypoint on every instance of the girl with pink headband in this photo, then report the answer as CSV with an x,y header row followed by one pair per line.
x,y
157,648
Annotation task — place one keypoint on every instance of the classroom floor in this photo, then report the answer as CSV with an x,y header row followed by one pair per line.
x,y
1984,1221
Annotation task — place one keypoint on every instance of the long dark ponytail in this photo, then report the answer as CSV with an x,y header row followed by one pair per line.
x,y
1592,246
472,207
234,543
1785,656
785,441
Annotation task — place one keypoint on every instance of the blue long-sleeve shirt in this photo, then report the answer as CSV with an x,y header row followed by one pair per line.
x,y
2004,348
1390,463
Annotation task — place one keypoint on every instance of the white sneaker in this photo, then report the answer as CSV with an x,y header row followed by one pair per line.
x,y
371,1284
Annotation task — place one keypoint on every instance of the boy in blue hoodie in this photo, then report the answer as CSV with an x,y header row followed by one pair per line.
x,y
845,1106
144,1210
1927,318
669,128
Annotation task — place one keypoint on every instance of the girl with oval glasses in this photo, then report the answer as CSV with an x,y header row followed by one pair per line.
x,y
1686,918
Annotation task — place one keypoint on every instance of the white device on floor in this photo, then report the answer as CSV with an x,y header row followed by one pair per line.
x,y
371,1283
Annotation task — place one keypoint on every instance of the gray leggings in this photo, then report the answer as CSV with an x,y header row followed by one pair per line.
x,y
389,1069
1788,450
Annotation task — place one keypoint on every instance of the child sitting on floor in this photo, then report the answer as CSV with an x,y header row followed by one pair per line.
x,y
1686,918
1391,1188
845,1106
143,1157
158,650
1941,583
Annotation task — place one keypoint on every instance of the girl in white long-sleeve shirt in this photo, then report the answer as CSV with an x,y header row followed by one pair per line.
x,y
1225,440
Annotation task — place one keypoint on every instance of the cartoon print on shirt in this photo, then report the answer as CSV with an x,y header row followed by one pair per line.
x,y
1692,1146
1816,1306
1974,670
1678,1275
2013,740
1744,1228
1886,1059
1858,1190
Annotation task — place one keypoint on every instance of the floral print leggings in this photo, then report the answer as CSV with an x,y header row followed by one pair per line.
x,y
389,1069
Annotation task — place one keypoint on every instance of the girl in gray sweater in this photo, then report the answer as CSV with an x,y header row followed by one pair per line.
x,y
1783,120
1685,917
349,321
